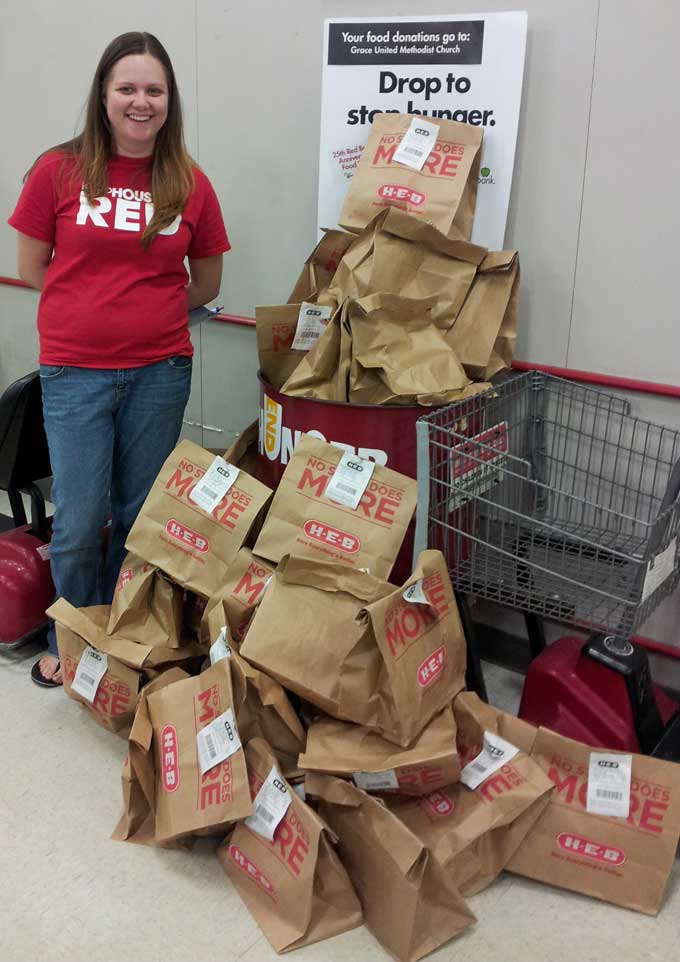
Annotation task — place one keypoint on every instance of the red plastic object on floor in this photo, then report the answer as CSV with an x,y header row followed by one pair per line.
x,y
26,587
599,693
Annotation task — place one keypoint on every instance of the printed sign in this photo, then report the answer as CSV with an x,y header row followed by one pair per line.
x,y
464,67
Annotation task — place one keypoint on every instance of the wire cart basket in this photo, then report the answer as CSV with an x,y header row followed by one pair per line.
x,y
547,496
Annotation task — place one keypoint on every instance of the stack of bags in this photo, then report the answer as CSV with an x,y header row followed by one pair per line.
x,y
400,308
311,716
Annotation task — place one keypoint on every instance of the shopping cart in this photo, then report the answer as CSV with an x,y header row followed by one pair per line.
x,y
547,496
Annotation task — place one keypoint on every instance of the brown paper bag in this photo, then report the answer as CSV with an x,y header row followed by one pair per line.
x,y
275,328
147,607
422,649
340,748
351,645
306,627
410,903
396,339
185,800
304,522
242,452
194,547
89,622
443,193
324,370
484,333
116,695
263,709
295,886
400,254
239,595
626,861
474,833
320,266
138,777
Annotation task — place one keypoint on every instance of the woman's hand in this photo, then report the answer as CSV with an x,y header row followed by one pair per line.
x,y
33,259
206,277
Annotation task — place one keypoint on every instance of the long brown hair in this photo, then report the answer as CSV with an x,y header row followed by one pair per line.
x,y
172,178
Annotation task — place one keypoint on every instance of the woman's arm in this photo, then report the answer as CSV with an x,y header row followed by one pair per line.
x,y
33,259
206,277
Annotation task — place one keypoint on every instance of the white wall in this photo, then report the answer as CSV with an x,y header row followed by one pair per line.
x,y
594,206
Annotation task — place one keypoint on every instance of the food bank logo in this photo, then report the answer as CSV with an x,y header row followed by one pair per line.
x,y
278,442
485,176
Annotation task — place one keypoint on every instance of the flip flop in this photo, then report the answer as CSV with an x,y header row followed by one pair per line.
x,y
38,677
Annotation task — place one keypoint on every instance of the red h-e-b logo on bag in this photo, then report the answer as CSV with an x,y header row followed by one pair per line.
x,y
326,534
430,670
169,759
241,860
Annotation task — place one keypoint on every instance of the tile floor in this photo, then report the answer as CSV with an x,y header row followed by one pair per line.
x,y
70,893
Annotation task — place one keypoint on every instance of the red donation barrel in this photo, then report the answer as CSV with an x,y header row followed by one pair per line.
x,y
386,435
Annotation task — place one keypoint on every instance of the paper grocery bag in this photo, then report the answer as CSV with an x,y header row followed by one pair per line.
x,y
294,885
115,698
376,765
626,861
187,801
242,452
484,333
409,902
275,328
263,709
473,833
351,645
443,193
306,628
396,339
192,545
147,607
320,266
138,779
303,521
399,254
89,622
323,371
419,636
239,594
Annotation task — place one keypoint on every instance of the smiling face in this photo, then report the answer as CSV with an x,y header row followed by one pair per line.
x,y
136,100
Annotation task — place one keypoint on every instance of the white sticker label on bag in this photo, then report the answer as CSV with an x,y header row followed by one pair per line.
x,y
217,742
350,480
212,487
415,594
495,753
44,551
659,568
269,805
90,671
219,648
417,143
376,781
609,784
311,323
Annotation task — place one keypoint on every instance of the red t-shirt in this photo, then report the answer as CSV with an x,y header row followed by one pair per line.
x,y
107,302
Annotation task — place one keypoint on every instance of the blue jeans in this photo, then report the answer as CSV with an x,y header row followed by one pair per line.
x,y
109,433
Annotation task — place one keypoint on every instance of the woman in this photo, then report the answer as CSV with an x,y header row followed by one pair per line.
x,y
105,222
